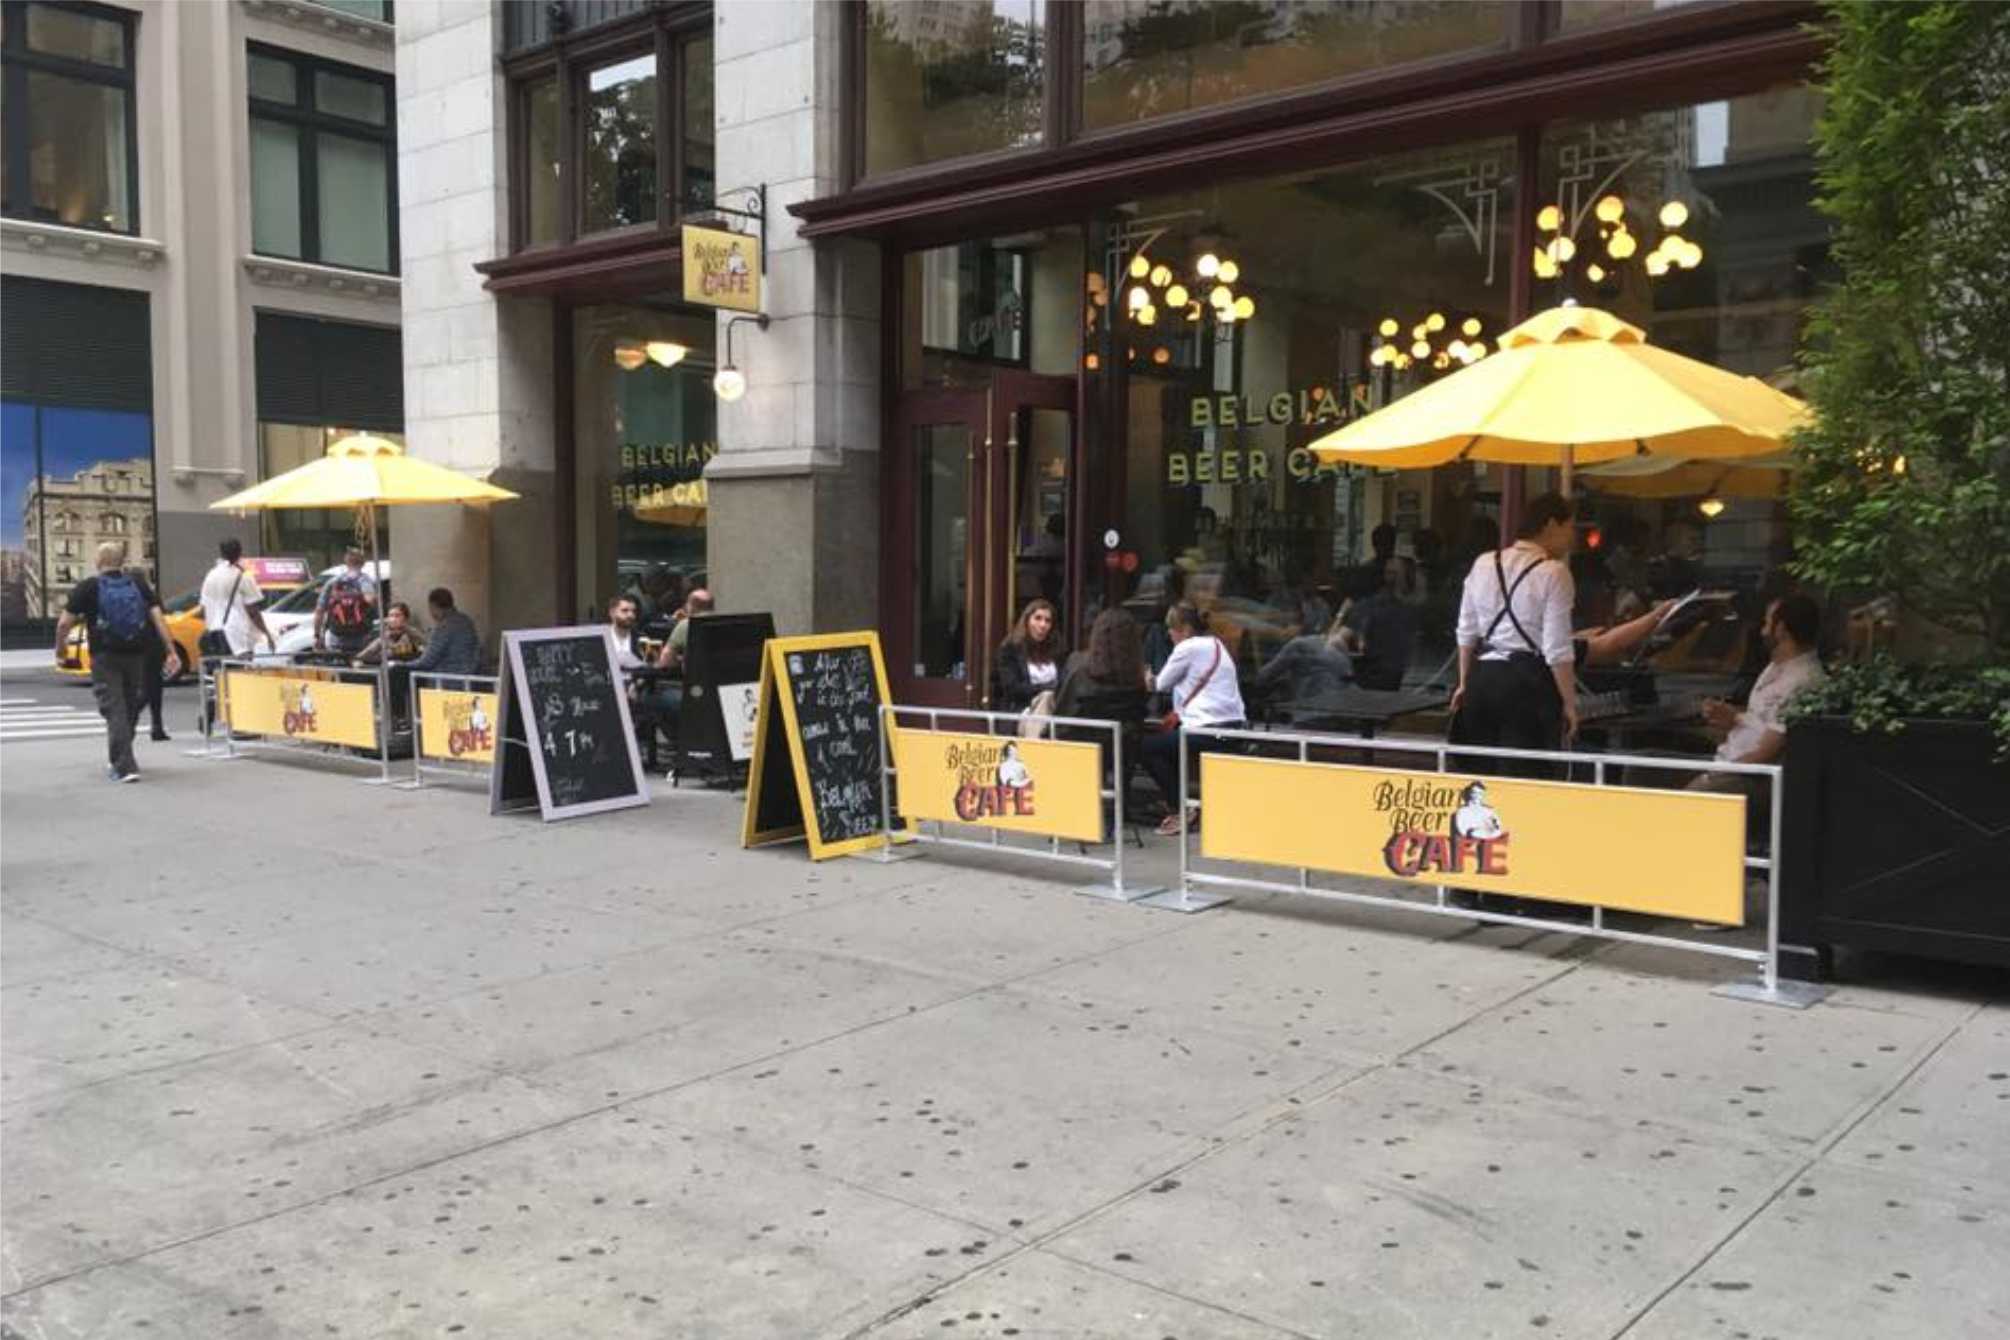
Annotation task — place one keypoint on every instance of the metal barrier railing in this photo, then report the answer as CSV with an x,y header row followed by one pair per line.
x,y
248,729
466,750
1769,989
938,833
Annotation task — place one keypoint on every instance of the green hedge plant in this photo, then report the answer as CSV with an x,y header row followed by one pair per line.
x,y
1903,489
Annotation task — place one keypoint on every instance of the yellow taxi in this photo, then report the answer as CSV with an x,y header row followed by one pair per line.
x,y
275,577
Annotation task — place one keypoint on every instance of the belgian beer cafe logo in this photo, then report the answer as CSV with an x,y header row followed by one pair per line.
x,y
297,709
992,781
469,730
1441,827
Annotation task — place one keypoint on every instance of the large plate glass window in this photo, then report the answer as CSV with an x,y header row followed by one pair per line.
x,y
69,127
323,162
1145,61
944,80
1243,321
1698,225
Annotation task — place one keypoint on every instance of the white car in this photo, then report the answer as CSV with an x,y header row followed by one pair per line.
x,y
291,617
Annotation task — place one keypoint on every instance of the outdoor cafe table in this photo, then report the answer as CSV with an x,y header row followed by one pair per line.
x,y
1362,710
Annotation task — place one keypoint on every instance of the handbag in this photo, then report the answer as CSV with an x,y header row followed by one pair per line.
x,y
1033,724
1170,721
214,641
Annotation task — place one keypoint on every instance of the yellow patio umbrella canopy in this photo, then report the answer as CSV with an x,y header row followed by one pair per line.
x,y
363,471
682,504
1572,386
1668,477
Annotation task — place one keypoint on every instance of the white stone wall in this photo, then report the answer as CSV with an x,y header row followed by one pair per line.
x,y
452,197
805,436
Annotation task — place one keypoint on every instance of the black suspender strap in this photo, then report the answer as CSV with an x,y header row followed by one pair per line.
x,y
1507,602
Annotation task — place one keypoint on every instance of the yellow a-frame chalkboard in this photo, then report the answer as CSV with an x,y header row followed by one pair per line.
x,y
819,726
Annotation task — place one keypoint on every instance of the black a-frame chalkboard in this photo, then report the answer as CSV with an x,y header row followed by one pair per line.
x,y
562,712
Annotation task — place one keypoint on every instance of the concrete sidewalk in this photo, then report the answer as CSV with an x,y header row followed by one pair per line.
x,y
286,1055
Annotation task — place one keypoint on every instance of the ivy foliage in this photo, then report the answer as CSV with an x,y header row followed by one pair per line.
x,y
1904,485
1880,695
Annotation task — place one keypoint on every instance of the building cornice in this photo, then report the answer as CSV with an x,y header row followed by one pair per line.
x,y
304,14
55,239
302,277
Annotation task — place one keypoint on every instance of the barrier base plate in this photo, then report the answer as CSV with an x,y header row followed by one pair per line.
x,y
1173,900
1133,893
1790,995
901,849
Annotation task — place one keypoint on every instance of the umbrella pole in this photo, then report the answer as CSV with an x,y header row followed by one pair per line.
x,y
383,660
1569,472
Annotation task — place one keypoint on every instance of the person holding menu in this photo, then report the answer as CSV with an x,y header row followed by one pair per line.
x,y
1517,668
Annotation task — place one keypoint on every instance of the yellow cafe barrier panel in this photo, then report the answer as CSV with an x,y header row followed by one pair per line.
x,y
453,726
1424,828
1000,774
311,708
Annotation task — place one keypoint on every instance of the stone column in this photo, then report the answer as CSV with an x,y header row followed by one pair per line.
x,y
795,525
479,376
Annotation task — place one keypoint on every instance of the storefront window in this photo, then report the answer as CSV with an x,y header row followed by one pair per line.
x,y
951,78
1143,61
1698,225
1244,321
619,162
647,422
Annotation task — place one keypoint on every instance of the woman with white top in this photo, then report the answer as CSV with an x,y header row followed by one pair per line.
x,y
1200,676
1029,663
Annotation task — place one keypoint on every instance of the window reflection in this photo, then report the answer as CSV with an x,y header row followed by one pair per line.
x,y
620,150
1222,501
1154,59
945,78
1712,206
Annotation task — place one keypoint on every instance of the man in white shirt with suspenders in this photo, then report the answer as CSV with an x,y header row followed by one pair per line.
x,y
1517,670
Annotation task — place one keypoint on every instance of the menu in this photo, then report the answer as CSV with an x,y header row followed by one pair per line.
x,y
563,704
819,716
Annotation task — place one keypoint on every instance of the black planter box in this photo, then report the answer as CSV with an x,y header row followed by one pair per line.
x,y
1894,842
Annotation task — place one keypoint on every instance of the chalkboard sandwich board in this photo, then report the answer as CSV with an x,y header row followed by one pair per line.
x,y
818,727
563,728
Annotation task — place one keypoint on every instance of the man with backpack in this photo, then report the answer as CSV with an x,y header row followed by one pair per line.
x,y
116,607
345,618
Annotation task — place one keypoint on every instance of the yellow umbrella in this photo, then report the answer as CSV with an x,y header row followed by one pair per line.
x,y
1572,386
365,471
1670,477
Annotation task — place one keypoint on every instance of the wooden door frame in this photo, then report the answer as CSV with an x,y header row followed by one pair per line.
x,y
900,534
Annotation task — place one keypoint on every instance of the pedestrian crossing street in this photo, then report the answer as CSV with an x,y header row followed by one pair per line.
x,y
55,718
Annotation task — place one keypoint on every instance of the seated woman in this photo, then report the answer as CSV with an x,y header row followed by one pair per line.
x,y
1029,661
1112,670
1200,676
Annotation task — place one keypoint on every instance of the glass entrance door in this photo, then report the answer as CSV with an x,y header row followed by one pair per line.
x,y
982,529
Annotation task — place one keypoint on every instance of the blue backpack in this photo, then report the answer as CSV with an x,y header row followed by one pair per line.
x,y
122,613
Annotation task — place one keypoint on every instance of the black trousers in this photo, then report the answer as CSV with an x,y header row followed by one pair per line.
x,y
1511,704
156,662
116,680
1159,756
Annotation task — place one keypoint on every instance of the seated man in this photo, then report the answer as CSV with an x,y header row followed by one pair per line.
x,y
679,641
653,702
455,648
1758,734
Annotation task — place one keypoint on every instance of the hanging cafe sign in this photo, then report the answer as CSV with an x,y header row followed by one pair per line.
x,y
1308,407
722,268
